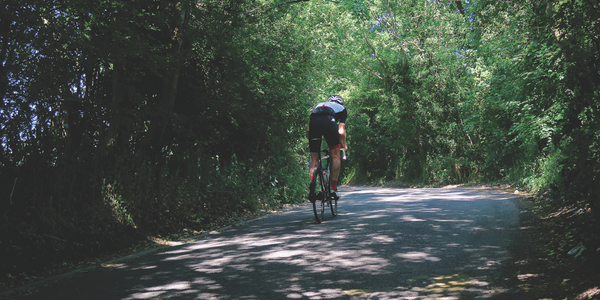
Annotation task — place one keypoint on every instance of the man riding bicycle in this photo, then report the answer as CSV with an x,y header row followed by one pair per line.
x,y
324,122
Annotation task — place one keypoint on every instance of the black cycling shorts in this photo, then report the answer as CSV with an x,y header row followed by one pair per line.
x,y
323,125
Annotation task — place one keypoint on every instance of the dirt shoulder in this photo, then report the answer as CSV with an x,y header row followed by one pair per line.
x,y
549,256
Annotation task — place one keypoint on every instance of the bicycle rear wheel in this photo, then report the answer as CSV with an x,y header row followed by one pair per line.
x,y
326,187
318,204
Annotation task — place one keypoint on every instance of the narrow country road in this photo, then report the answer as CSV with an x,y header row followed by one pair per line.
x,y
443,243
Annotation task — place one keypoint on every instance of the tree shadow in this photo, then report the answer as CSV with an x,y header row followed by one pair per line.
x,y
384,244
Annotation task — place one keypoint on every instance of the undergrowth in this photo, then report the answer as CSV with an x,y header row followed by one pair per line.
x,y
561,257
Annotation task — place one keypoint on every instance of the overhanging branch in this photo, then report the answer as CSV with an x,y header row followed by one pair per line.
x,y
387,72
370,71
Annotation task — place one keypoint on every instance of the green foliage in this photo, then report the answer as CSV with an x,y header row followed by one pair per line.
x,y
358,8
411,96
129,117
544,94
125,119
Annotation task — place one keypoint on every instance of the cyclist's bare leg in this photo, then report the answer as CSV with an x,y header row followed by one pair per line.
x,y
314,156
335,163
312,167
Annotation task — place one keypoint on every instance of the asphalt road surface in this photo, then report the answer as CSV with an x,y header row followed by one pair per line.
x,y
442,243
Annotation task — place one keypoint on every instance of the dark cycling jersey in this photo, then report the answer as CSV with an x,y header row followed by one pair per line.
x,y
323,123
332,108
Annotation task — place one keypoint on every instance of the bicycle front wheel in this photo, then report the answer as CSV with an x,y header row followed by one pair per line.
x,y
333,206
319,210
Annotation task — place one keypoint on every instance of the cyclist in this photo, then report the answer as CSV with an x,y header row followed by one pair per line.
x,y
324,122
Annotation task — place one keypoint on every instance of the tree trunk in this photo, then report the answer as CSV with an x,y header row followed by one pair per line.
x,y
155,136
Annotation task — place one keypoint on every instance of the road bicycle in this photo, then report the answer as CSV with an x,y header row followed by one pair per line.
x,y
320,187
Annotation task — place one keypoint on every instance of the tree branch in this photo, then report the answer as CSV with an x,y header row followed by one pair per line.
x,y
397,37
460,7
420,50
377,56
13,190
370,71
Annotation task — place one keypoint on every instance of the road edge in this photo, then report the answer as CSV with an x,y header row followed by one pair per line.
x,y
69,274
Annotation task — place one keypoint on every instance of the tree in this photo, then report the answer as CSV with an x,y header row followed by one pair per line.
x,y
542,102
412,86
154,115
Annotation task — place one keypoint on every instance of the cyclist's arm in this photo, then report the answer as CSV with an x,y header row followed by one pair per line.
x,y
342,132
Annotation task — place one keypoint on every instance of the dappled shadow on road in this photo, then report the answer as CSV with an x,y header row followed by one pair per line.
x,y
385,244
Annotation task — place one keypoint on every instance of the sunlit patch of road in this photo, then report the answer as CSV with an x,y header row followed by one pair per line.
x,y
384,244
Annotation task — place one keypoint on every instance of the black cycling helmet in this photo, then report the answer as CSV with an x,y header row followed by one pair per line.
x,y
337,99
